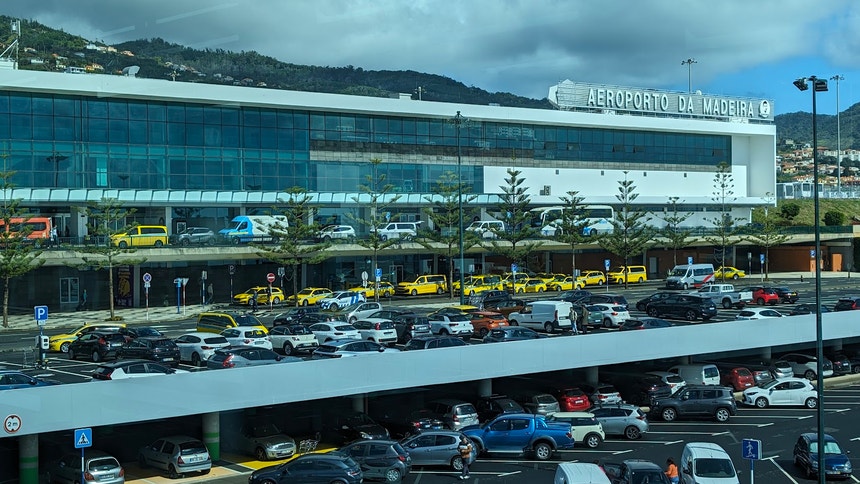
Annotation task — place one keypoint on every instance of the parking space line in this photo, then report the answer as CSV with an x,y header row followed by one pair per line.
x,y
692,432
771,459
796,417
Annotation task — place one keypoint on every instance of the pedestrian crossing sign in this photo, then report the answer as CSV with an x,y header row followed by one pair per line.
x,y
83,438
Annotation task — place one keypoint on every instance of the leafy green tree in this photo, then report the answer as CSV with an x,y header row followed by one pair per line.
x,y
789,211
375,194
676,236
769,234
106,218
293,247
571,226
18,255
630,234
517,241
833,218
444,212
726,229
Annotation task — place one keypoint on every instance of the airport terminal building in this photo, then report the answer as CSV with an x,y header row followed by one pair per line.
x,y
192,154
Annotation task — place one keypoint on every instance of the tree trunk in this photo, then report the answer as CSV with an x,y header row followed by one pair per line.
x,y
110,290
6,303
295,270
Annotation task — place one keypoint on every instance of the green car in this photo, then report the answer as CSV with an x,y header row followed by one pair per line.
x,y
595,317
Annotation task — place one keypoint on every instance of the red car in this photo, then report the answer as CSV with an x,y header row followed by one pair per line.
x,y
739,378
765,295
572,399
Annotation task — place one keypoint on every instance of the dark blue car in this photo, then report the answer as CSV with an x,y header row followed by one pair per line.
x,y
836,462
10,379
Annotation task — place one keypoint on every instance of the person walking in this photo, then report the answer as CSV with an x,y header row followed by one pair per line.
x,y
672,471
210,291
584,319
253,302
574,327
83,302
465,449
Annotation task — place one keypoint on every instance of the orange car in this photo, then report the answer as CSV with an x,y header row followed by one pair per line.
x,y
484,321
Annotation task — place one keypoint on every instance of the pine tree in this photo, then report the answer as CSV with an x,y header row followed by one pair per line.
x,y
517,241
676,236
769,234
571,227
630,235
726,228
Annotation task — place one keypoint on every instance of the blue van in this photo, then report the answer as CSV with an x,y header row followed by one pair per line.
x,y
254,228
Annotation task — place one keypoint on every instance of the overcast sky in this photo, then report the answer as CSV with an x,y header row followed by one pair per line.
x,y
752,48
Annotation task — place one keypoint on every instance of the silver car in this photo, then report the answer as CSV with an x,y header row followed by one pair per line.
x,y
455,413
265,441
197,347
621,419
436,448
100,468
350,347
177,455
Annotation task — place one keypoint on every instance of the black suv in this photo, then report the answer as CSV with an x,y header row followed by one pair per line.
x,y
152,348
380,459
613,299
574,296
96,345
492,406
712,401
634,471
487,298
687,306
408,324
642,304
847,304
332,466
639,389
786,294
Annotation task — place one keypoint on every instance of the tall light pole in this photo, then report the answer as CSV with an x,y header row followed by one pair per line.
x,y
458,122
837,78
818,85
56,158
689,63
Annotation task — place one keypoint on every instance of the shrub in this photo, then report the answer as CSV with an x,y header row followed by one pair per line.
x,y
789,210
834,218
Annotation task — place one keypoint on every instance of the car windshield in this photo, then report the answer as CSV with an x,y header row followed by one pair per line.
x,y
344,327
458,317
359,419
545,399
706,467
247,320
192,447
768,384
830,448
265,430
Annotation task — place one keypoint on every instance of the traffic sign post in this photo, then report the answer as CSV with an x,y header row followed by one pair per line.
x,y
761,259
514,269
203,288
606,265
147,279
271,278
41,314
83,439
689,260
751,449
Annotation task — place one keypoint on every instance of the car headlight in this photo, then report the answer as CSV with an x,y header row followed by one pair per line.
x,y
814,464
848,466
365,435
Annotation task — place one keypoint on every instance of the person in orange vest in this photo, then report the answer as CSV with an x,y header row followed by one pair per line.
x,y
672,471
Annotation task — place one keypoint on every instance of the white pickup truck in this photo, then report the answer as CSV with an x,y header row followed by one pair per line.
x,y
725,295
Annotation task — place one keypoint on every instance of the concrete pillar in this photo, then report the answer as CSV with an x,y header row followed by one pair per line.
x,y
835,345
684,360
591,375
359,403
212,434
485,387
28,460
765,354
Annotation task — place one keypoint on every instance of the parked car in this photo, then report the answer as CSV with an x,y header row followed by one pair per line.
x,y
328,467
601,393
436,448
403,425
621,419
687,306
574,296
12,379
506,307
450,325
308,296
491,406
712,401
737,377
836,461
782,391
786,294
312,318
117,370
152,348
758,313
340,299
585,428
329,233
351,426
538,403
485,299
97,346
339,348
433,342
194,235
261,294
456,414
635,471
729,273
593,278
485,321
613,316
100,466
197,347
638,388
642,304
386,460
329,331
512,333
240,356
764,295
360,310
847,304
841,363
247,336
521,433
293,315
807,366
382,332
407,323
603,298
386,289
807,309
293,338
138,331
178,455
61,342
571,399
672,379
590,312
707,463
645,323
263,440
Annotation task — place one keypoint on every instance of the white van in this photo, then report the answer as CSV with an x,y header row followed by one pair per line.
x,y
549,316
487,229
706,463
690,275
702,374
398,230
580,473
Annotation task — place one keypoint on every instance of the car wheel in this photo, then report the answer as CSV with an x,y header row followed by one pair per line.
x,y
457,463
392,475
327,239
97,357
414,292
592,441
444,332
304,302
141,461
722,415
761,402
171,472
159,243
811,402
632,433
735,277
483,332
727,304
334,307
669,414
276,300
211,241
513,322
64,348
185,242
352,319
384,238
543,451
548,327
809,375
607,323
123,245
685,286
691,315
260,453
288,348
652,312
195,360
760,301
72,354
855,369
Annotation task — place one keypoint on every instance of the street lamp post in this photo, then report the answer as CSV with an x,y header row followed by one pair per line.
x,y
458,121
689,63
838,78
56,158
818,85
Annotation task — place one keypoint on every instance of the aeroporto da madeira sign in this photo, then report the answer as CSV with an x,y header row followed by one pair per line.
x,y
569,95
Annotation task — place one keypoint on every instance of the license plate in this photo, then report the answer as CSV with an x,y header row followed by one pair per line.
x,y
168,359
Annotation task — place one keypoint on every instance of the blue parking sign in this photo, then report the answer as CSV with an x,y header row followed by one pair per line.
x,y
41,313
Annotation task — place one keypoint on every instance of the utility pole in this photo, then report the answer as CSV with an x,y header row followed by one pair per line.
x,y
689,63
837,78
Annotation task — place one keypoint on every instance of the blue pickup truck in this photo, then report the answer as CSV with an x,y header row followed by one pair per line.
x,y
521,433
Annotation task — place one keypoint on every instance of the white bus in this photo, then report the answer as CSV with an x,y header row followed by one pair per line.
x,y
599,219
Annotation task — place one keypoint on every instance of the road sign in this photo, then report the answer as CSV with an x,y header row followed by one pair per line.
x,y
146,285
761,258
147,278
281,272
41,314
689,260
606,264
378,273
364,275
514,268
83,438
232,269
270,277
812,253
12,424
751,449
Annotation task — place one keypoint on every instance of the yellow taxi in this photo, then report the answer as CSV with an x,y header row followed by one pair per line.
x,y
730,272
592,278
476,284
60,342
565,283
386,289
529,285
309,295
262,293
508,280
547,277
427,284
622,274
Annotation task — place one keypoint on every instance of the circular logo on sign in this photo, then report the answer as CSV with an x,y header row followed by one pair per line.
x,y
12,424
764,109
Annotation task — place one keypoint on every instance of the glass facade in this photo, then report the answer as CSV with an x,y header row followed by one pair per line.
x,y
88,142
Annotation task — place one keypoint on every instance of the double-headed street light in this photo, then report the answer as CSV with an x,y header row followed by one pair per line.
x,y
458,121
818,85
689,63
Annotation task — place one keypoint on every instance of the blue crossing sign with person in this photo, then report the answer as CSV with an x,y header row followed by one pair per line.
x,y
83,438
751,449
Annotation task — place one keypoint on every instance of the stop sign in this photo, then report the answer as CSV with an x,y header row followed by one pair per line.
x,y
270,277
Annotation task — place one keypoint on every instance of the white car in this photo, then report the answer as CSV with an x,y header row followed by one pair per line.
x,y
613,316
782,391
329,331
122,369
672,379
759,313
382,332
451,324
807,366
349,348
292,338
336,232
585,426
198,346
361,311
247,336
341,299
